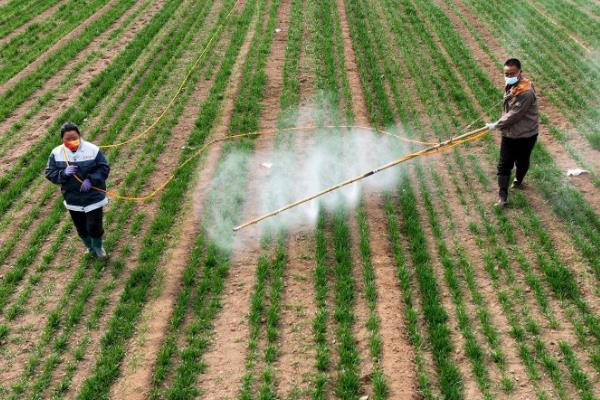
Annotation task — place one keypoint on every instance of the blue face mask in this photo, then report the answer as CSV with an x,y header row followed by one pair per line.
x,y
511,80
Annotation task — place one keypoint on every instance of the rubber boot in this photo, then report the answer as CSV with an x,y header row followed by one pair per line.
x,y
503,181
88,245
98,249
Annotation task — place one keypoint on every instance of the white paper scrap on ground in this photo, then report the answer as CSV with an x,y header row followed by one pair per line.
x,y
277,30
577,172
266,164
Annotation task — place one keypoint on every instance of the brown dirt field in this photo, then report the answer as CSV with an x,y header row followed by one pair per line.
x,y
185,124
226,357
514,366
81,330
232,358
115,177
397,355
88,362
47,294
126,85
107,48
24,239
130,261
566,250
330,306
32,319
295,365
34,192
488,197
361,313
471,389
146,331
461,219
358,107
560,155
426,354
495,373
85,366
294,369
559,236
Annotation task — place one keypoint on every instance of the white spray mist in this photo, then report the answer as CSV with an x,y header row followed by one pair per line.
x,y
303,163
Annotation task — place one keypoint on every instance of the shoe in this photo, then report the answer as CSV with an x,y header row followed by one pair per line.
x,y
98,248
87,241
501,203
503,181
517,185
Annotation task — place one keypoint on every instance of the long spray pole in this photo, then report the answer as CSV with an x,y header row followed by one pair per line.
x,y
445,145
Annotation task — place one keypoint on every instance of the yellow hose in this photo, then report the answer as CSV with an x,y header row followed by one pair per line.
x,y
435,148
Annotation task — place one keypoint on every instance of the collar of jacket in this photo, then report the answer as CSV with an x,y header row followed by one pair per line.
x,y
520,87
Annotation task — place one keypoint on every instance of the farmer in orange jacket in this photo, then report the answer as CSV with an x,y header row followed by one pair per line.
x,y
519,127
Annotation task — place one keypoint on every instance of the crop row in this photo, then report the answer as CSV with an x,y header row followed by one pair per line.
x,y
559,134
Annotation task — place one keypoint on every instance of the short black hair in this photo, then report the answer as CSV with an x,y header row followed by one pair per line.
x,y
68,126
513,62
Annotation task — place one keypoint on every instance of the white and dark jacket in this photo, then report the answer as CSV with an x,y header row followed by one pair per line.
x,y
91,165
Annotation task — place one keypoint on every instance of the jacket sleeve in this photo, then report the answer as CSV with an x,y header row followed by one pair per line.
x,y
100,172
517,111
54,173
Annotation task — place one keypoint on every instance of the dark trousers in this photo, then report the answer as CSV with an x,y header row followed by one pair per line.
x,y
515,152
88,224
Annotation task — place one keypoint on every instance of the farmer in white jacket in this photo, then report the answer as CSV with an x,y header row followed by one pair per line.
x,y
79,167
